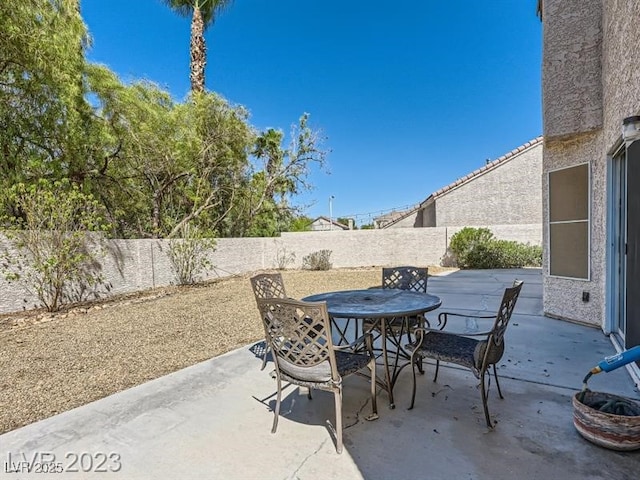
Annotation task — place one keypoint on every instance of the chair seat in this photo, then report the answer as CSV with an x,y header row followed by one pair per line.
x,y
349,363
346,363
458,349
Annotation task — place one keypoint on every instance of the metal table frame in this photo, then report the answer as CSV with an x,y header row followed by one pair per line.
x,y
382,307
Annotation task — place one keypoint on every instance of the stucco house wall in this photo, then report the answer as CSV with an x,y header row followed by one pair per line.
x,y
572,71
411,219
322,224
562,297
591,82
510,193
506,191
621,65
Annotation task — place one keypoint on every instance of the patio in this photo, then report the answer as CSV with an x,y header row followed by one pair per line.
x,y
213,420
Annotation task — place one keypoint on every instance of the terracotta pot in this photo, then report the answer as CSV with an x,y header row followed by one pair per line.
x,y
616,432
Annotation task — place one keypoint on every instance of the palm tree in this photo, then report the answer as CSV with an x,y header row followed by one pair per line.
x,y
203,13
539,9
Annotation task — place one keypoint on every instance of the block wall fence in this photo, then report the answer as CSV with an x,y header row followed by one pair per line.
x,y
141,264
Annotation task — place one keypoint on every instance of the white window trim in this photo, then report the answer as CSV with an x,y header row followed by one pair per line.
x,y
588,221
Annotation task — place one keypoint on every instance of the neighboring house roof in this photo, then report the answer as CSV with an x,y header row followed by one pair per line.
x,y
489,166
402,216
467,178
389,217
333,222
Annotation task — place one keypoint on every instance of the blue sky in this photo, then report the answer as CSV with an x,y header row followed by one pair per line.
x,y
411,94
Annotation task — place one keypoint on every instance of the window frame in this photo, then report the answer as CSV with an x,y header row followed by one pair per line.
x,y
587,221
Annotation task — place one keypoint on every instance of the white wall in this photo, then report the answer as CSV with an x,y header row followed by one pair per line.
x,y
133,265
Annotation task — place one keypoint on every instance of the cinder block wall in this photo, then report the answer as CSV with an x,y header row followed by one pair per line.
x,y
134,265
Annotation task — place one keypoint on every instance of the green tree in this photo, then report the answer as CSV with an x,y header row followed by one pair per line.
x,y
203,14
346,221
300,224
43,112
174,163
155,164
278,175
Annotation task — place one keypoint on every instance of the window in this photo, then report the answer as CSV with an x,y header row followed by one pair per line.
x,y
569,222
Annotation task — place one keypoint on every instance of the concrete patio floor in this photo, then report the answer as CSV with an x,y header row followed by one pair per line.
x,y
213,420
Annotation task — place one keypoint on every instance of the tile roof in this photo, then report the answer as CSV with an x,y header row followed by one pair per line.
x,y
489,166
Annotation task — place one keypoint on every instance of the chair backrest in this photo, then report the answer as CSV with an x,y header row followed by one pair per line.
x,y
507,305
405,278
491,350
299,334
268,285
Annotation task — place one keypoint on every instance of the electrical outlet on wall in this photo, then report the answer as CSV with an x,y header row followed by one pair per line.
x,y
585,296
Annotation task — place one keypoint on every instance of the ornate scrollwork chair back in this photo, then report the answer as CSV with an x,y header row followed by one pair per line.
x,y
402,278
299,335
405,278
267,285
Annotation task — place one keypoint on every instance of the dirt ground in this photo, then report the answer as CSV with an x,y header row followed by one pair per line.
x,y
53,363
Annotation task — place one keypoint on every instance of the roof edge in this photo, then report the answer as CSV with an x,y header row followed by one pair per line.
x,y
489,166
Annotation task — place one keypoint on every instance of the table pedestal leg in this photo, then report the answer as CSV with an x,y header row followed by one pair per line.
x,y
385,357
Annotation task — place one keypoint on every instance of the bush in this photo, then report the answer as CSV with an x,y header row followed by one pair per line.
x,y
477,248
189,255
466,240
284,258
317,260
55,244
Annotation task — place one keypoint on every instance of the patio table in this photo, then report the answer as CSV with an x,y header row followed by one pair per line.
x,y
381,308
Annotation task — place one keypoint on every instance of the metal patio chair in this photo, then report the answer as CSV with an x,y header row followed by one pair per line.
x,y
476,351
406,278
299,335
402,278
267,285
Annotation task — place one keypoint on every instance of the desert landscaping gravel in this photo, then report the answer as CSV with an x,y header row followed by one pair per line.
x,y
53,363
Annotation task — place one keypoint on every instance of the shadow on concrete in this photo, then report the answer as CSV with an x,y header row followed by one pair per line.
x,y
213,420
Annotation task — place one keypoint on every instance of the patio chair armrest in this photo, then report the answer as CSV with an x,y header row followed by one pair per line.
x,y
421,332
366,340
443,317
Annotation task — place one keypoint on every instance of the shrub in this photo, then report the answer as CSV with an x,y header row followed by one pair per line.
x,y
477,248
532,255
54,244
284,258
464,241
317,260
189,254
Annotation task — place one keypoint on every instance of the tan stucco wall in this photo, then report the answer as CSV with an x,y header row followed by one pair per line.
x,y
621,66
619,21
571,70
429,214
562,297
511,193
413,220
